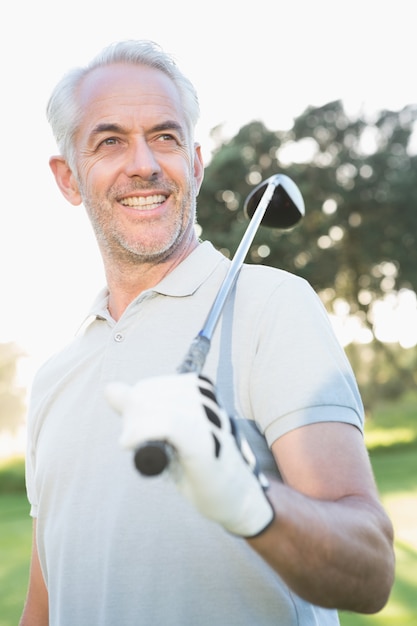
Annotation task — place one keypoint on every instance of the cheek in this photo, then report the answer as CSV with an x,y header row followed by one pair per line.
x,y
177,165
93,178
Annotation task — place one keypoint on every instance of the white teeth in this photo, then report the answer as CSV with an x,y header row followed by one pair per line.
x,y
148,202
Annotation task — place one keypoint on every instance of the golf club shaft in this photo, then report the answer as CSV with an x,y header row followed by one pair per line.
x,y
237,261
151,458
200,346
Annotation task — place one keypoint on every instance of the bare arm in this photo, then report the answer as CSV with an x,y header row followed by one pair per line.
x,y
35,612
331,540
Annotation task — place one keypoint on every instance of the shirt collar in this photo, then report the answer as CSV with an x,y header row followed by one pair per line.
x,y
184,280
191,273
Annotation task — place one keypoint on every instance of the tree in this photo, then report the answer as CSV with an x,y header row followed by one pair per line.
x,y
357,242
12,404
359,181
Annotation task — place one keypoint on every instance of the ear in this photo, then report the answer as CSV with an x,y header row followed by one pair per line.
x,y
65,179
198,167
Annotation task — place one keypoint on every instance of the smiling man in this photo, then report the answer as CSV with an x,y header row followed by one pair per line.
x,y
209,542
137,172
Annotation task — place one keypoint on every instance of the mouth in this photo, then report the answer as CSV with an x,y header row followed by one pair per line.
x,y
144,203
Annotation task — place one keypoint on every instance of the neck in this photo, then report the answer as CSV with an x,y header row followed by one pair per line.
x,y
126,281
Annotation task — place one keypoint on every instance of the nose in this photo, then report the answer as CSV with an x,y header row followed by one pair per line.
x,y
141,161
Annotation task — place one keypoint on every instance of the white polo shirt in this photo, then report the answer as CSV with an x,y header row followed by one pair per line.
x,y
118,548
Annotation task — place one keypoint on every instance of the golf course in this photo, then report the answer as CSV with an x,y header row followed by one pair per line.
x,y
391,436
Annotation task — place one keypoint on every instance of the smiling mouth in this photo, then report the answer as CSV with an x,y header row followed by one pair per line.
x,y
143,202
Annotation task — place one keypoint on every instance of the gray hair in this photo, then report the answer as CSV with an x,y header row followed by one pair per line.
x,y
63,110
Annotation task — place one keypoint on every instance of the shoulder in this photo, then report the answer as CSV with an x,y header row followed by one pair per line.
x,y
269,278
265,283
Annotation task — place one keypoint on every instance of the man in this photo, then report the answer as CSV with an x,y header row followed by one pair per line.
x,y
207,541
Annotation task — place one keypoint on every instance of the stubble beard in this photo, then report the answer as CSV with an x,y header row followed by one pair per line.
x,y
119,248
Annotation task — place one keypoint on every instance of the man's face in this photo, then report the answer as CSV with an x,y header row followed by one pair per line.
x,y
137,173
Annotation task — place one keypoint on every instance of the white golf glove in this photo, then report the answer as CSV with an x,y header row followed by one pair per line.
x,y
213,467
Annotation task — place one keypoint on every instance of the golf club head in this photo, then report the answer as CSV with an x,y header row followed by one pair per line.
x,y
286,207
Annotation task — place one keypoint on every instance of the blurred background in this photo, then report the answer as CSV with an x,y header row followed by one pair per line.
x,y
323,92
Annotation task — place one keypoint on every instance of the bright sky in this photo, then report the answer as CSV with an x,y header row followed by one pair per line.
x,y
264,60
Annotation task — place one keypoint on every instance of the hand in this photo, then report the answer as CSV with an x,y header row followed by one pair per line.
x,y
211,469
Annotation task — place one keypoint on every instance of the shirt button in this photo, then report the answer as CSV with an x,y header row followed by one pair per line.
x,y
118,337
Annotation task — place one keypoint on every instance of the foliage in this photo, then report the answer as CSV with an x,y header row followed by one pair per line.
x,y
357,242
12,405
358,180
383,371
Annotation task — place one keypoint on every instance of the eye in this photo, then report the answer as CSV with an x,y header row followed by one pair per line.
x,y
109,141
167,137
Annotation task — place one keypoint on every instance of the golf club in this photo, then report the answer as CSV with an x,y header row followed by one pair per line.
x,y
280,195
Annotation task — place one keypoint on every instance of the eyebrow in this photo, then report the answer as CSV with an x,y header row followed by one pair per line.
x,y
116,128
106,128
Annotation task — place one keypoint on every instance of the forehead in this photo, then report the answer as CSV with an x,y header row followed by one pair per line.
x,y
126,91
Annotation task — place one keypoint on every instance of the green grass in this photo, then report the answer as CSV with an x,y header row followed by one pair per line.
x,y
391,437
15,546
396,472
393,424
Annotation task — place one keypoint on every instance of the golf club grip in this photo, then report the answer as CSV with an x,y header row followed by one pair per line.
x,y
153,457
